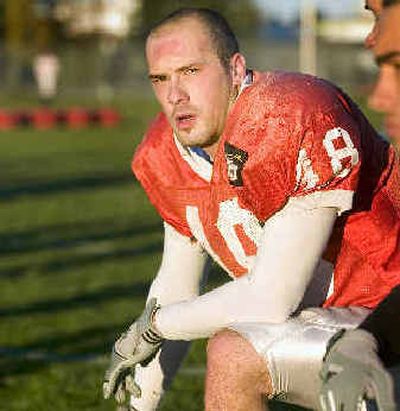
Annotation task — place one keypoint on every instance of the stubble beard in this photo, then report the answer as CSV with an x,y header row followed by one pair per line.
x,y
196,138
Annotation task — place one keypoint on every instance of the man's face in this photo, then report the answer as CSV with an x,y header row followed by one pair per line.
x,y
386,50
193,88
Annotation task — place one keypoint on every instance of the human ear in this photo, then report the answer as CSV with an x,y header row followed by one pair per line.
x,y
238,69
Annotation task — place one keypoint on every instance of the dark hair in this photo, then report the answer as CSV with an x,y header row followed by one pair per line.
x,y
221,34
388,3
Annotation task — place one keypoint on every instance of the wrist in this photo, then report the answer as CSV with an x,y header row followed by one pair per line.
x,y
352,343
361,336
357,343
153,321
332,342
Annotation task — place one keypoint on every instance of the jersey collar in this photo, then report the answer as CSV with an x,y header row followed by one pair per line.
x,y
196,157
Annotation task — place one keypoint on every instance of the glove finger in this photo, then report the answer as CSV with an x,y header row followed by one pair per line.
x,y
341,396
323,402
120,393
106,390
362,405
355,398
382,389
329,401
132,387
111,380
117,382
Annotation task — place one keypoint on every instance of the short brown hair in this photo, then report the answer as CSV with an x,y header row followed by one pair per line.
x,y
222,36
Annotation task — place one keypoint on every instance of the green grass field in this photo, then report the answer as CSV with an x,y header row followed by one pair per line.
x,y
79,244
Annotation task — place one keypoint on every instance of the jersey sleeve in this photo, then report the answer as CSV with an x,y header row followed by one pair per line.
x,y
296,136
328,158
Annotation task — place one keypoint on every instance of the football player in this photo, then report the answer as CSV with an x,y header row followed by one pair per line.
x,y
354,366
384,41
281,180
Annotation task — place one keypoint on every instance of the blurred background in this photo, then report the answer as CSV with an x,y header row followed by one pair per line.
x,y
79,241
98,44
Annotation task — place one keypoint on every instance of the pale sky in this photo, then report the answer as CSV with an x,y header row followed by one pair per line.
x,y
287,10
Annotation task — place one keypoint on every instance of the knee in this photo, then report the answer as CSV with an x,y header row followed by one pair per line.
x,y
232,358
223,350
219,349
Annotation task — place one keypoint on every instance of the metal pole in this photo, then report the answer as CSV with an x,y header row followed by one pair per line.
x,y
308,37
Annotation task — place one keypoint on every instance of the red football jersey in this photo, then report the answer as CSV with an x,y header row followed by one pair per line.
x,y
288,135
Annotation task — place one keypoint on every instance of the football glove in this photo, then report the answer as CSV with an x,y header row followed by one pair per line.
x,y
138,345
353,372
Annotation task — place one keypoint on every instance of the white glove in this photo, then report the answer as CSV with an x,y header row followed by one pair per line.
x,y
137,345
352,372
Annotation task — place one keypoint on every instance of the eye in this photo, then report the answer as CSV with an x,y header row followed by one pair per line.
x,y
391,58
157,79
191,70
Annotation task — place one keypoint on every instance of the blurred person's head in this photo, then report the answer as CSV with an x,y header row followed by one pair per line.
x,y
384,41
196,71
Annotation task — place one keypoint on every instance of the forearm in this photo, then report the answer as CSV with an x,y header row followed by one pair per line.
x,y
178,279
383,324
181,269
272,290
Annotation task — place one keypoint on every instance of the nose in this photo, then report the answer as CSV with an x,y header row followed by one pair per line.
x,y
176,92
384,96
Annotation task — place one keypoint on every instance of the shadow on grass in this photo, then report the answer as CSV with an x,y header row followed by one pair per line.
x,y
82,345
137,289
87,345
70,235
74,261
63,184
84,242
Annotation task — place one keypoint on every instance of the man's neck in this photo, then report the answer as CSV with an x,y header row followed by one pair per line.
x,y
212,149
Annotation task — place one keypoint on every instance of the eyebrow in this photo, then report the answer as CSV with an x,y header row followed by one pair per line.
x,y
188,66
156,76
387,3
385,58
179,70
